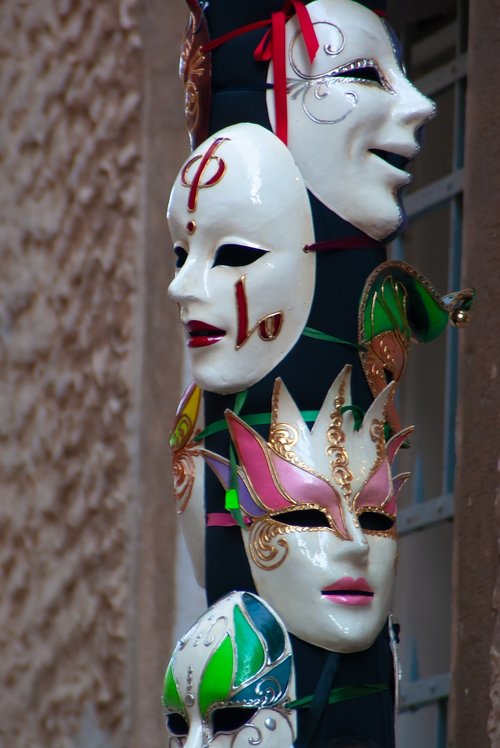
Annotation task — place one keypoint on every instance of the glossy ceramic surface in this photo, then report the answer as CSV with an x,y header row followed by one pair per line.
x,y
322,503
349,113
229,679
239,218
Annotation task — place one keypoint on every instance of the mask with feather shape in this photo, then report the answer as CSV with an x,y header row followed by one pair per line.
x,y
321,507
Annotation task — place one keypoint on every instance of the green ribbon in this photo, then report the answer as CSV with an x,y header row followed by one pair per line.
x,y
232,501
310,332
261,419
254,419
337,695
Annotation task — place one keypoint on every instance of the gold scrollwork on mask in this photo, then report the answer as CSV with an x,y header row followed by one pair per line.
x,y
183,471
194,72
266,552
282,437
339,463
378,438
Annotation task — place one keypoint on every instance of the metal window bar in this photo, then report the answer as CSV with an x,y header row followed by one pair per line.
x,y
424,514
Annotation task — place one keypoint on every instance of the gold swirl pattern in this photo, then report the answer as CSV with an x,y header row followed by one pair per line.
x,y
265,553
194,72
339,464
282,437
183,471
378,438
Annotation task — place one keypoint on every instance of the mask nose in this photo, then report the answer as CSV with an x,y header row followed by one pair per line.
x,y
415,108
195,738
189,283
357,548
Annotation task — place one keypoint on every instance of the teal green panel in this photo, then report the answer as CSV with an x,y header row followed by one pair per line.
x,y
251,655
267,625
217,679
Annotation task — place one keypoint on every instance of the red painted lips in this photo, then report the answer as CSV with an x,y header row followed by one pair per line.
x,y
202,334
349,591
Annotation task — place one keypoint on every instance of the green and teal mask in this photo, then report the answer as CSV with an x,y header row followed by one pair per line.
x,y
229,679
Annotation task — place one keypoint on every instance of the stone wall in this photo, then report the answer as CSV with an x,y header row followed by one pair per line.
x,y
84,511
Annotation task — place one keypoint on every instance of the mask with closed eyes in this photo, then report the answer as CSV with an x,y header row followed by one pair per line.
x,y
321,508
229,679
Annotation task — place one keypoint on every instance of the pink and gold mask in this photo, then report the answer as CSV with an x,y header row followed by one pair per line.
x,y
322,507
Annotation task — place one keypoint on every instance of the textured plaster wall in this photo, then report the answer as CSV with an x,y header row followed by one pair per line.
x,y
76,552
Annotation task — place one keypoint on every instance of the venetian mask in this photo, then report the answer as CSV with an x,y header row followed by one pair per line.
x,y
239,219
351,112
322,508
230,678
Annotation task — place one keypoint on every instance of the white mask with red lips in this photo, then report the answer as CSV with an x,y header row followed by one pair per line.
x,y
239,218
346,110
322,506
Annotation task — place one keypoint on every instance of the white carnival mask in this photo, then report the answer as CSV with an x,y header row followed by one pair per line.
x,y
239,218
322,505
230,678
347,110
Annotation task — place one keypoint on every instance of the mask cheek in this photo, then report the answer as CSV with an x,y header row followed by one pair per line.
x,y
266,546
384,557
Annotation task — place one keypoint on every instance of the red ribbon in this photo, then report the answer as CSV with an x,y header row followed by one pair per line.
x,y
273,47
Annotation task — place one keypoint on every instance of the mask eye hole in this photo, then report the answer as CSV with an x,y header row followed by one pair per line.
x,y
236,255
181,256
365,71
230,719
176,724
375,521
303,518
368,73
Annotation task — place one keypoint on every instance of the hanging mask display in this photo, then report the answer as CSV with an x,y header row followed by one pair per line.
x,y
353,115
322,508
239,219
230,678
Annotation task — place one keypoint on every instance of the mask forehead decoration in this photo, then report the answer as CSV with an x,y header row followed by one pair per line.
x,y
239,217
353,115
230,678
322,510
334,467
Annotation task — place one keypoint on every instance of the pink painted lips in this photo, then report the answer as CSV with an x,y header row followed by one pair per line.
x,y
349,591
202,334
